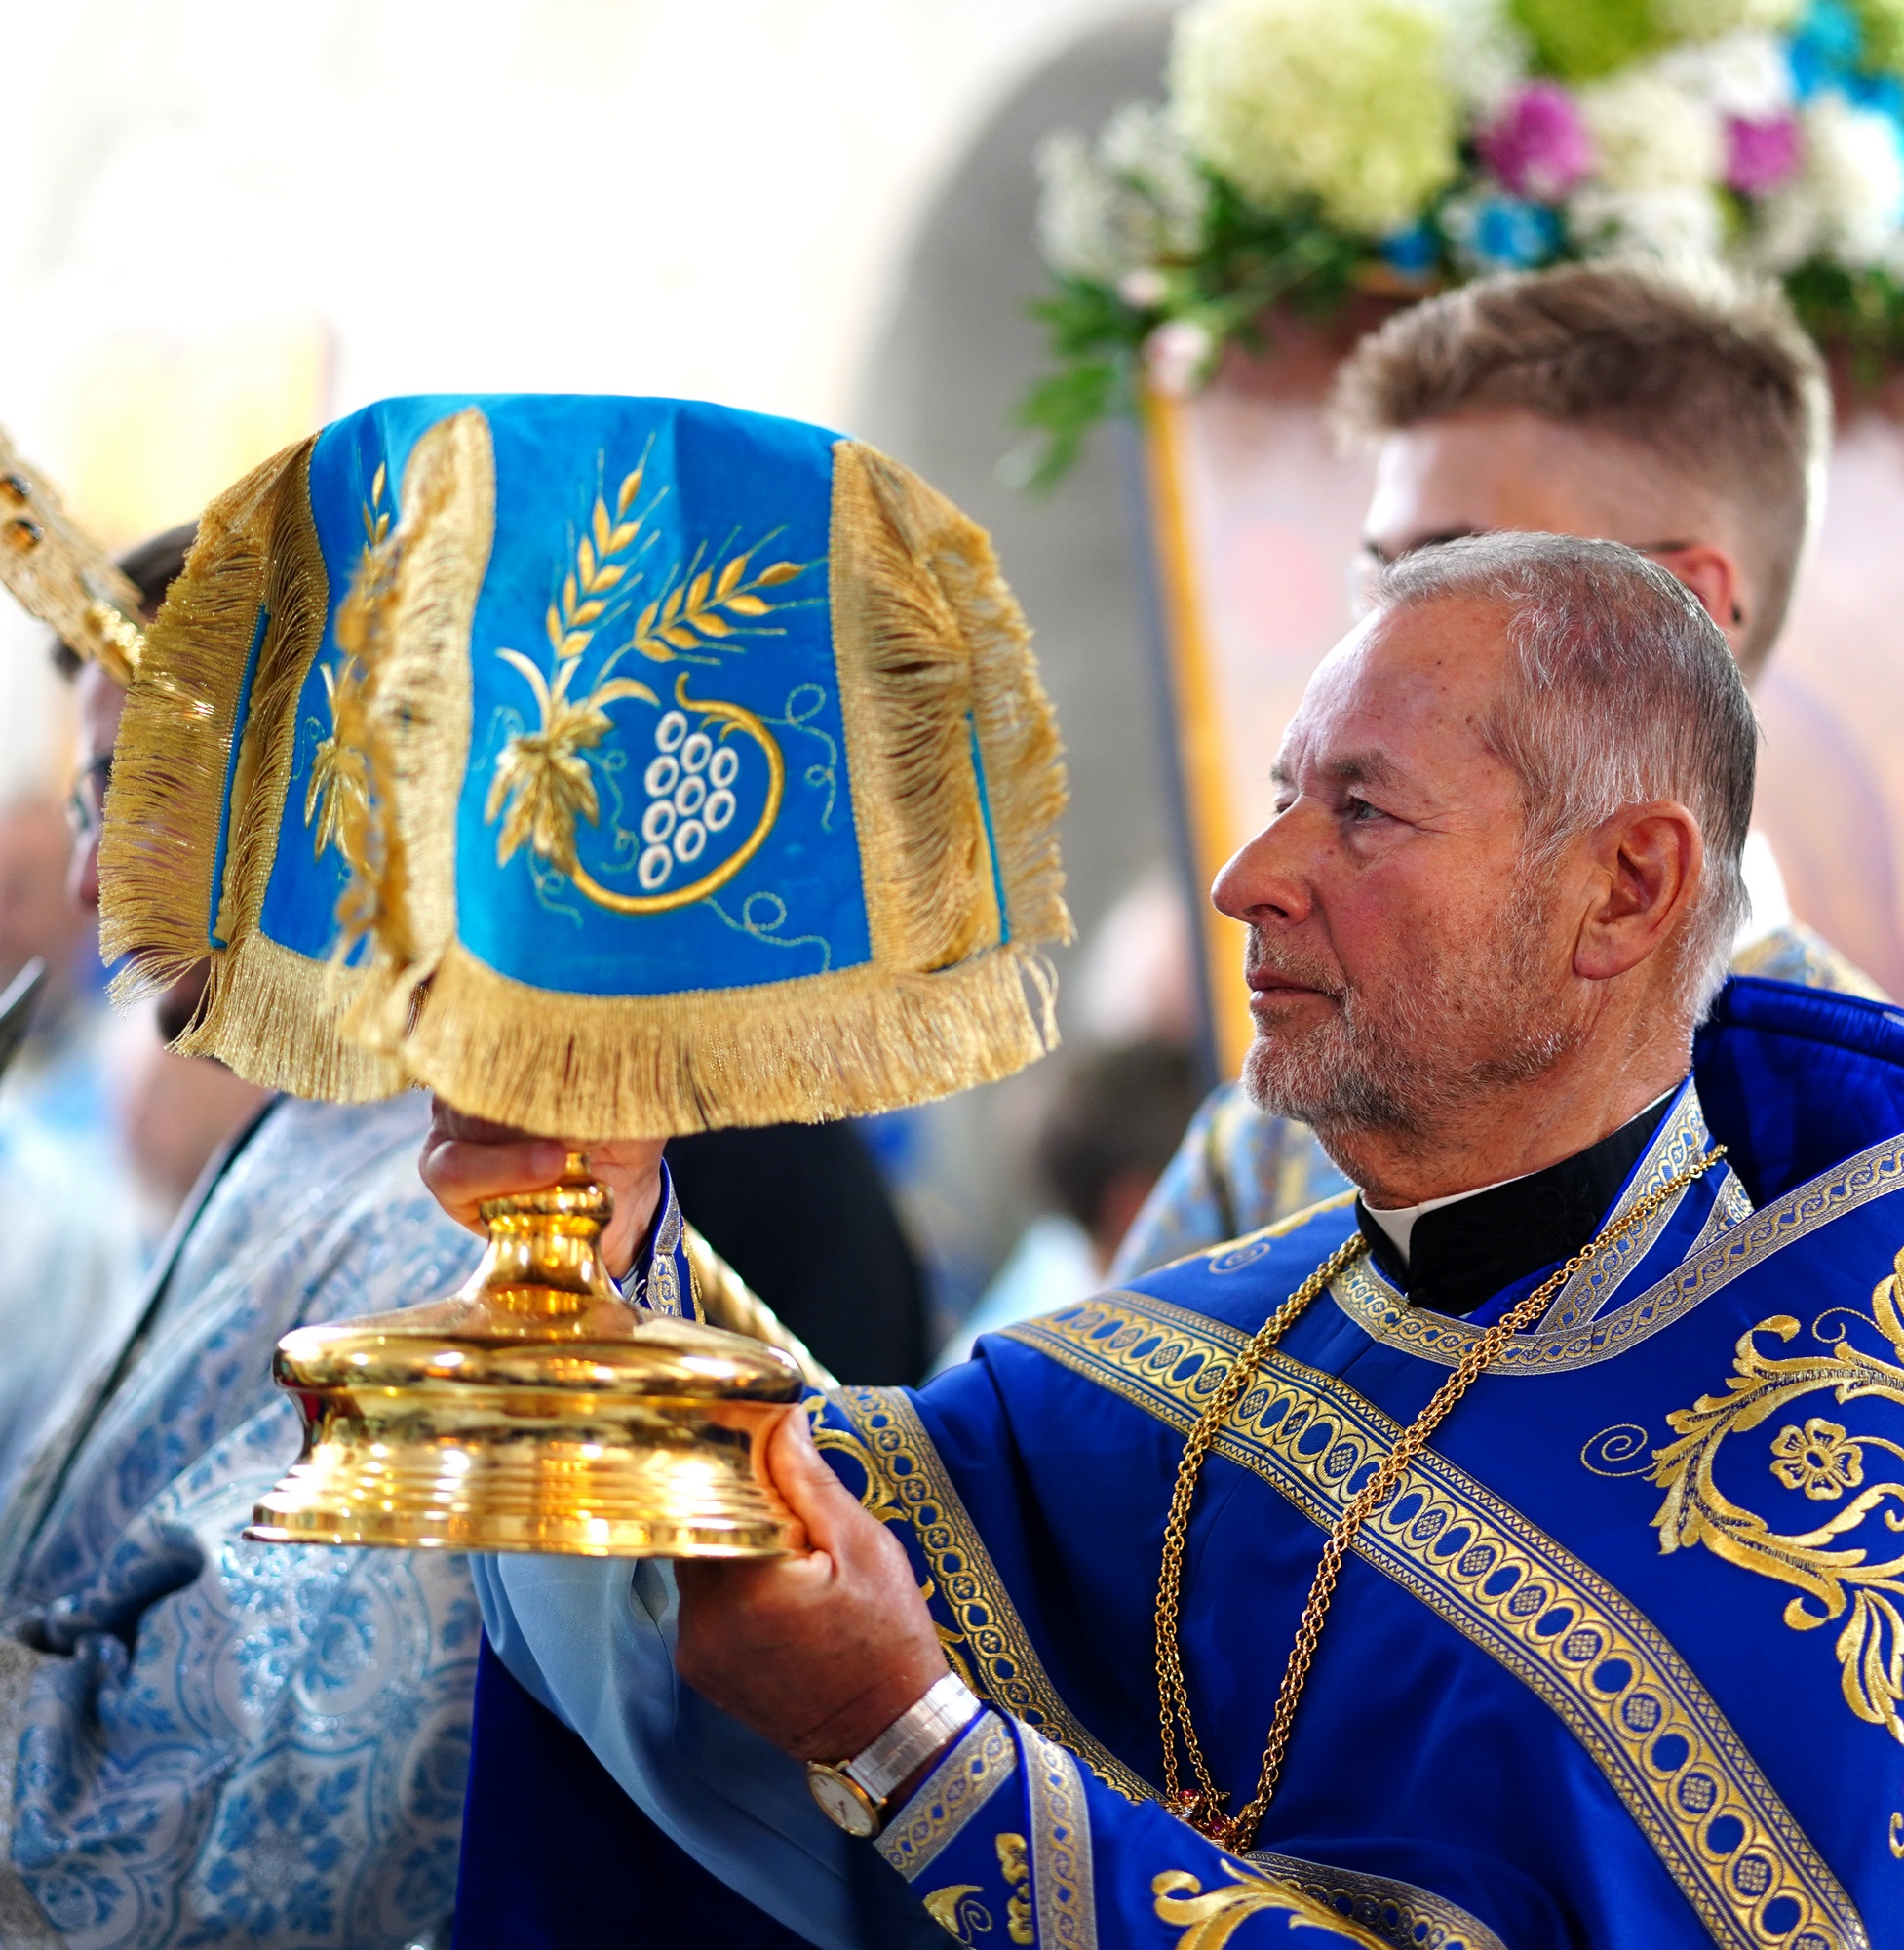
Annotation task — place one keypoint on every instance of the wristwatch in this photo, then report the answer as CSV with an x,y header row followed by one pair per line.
x,y
853,1794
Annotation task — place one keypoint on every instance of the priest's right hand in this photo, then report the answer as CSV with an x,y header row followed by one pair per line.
x,y
821,1650
467,1160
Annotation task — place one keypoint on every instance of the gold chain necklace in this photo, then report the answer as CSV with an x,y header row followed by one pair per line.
x,y
1202,1805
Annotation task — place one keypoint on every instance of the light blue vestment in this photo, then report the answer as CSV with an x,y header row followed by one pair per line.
x,y
204,1740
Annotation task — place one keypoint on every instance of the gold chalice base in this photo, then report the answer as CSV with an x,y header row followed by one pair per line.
x,y
534,1410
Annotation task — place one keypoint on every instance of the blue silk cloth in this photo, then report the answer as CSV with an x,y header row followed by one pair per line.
x,y
1616,1665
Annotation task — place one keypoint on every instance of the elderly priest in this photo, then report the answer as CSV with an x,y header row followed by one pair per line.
x,y
1504,1554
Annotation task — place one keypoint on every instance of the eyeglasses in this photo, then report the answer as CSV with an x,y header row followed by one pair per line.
x,y
86,803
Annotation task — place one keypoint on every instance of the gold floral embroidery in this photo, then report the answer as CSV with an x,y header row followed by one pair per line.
x,y
1211,1920
541,778
337,799
687,615
543,784
1819,1459
1017,1871
1836,1576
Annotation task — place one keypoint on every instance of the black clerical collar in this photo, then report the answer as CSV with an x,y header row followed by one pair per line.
x,y
1464,1253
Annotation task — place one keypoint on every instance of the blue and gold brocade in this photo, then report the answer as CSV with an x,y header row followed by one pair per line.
x,y
1618,1664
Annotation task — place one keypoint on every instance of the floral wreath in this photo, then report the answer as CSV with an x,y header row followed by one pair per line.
x,y
1313,149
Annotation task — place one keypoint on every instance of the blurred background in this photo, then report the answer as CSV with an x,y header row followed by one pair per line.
x,y
226,224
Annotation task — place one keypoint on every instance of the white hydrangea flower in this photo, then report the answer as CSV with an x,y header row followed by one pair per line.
x,y
1118,205
1711,19
1651,136
1744,74
1347,101
1680,223
1487,56
1846,203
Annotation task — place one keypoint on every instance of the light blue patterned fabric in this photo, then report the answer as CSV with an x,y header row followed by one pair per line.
x,y
204,1740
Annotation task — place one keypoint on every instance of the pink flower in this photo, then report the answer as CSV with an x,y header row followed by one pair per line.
x,y
1759,155
1177,355
1539,146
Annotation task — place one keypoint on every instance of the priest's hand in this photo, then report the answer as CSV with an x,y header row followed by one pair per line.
x,y
820,1652
468,1160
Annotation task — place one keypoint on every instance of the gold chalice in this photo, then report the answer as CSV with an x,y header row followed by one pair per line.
x,y
534,1410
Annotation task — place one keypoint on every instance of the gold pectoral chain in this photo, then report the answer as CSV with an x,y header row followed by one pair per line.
x,y
1202,1805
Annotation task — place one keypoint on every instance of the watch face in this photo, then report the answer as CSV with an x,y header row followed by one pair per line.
x,y
844,1801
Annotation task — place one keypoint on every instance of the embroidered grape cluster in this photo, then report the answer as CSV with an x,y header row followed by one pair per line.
x,y
689,783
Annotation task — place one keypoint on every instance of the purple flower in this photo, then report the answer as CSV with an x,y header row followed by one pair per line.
x,y
1540,145
1759,155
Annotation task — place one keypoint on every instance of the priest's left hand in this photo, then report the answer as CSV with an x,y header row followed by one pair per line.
x,y
820,1652
469,1159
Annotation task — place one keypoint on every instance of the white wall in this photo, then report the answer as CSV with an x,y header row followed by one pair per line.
x,y
703,197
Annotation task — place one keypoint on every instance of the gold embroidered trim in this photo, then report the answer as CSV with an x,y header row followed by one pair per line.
x,y
905,1482
986,1757
269,1012
1432,1336
1061,1887
933,662
1608,1673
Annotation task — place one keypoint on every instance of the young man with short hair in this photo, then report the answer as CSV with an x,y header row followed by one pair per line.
x,y
1679,410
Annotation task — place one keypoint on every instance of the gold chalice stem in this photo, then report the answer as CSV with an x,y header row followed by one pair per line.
x,y
536,1409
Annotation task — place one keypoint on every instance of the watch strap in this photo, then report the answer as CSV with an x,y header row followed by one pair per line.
x,y
948,1707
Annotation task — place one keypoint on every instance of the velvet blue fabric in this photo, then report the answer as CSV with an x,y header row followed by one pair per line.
x,y
671,558
1562,1698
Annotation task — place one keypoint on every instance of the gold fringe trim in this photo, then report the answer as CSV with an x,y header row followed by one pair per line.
x,y
934,660
934,654
269,1014
411,611
277,1019
808,1050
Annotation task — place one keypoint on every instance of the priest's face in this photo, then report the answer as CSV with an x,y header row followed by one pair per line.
x,y
1402,956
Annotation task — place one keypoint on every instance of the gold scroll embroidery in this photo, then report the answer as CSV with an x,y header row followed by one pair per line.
x,y
1211,1920
1621,1689
959,1913
1826,1463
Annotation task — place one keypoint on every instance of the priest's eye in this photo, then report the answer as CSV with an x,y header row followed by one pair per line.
x,y
1358,811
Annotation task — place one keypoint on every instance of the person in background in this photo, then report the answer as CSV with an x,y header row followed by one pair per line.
x,y
69,1270
1676,409
802,1213
1109,1130
202,1740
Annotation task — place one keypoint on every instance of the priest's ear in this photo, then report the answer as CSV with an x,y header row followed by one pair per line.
x,y
1645,866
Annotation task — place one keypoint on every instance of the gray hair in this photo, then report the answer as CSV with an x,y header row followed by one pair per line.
x,y
1623,691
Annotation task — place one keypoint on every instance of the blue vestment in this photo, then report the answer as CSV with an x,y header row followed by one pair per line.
x,y
1617,1665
